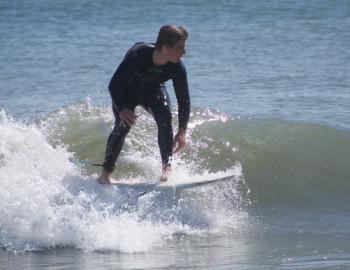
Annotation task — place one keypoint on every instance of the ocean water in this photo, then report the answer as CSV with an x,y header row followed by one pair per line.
x,y
270,91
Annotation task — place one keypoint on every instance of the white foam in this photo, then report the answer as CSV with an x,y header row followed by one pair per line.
x,y
44,205
47,202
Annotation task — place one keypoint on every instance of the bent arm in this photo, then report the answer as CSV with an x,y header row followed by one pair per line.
x,y
183,97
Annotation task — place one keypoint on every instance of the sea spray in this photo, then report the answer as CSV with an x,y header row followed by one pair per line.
x,y
49,201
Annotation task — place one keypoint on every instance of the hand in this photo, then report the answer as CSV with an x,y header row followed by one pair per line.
x,y
127,117
179,140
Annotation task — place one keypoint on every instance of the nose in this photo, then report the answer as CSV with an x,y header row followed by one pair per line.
x,y
183,52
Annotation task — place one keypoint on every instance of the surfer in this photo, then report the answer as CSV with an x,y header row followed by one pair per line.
x,y
139,80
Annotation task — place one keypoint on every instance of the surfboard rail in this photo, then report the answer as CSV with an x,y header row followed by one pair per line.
x,y
140,184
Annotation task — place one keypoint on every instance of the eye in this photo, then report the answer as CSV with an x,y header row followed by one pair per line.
x,y
180,48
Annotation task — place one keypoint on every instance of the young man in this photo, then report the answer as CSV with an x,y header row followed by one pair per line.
x,y
139,80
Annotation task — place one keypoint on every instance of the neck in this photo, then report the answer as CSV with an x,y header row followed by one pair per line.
x,y
159,58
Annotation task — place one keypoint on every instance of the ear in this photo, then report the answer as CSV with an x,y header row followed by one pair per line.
x,y
166,48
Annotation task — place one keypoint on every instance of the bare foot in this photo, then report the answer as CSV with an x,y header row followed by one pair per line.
x,y
166,171
104,178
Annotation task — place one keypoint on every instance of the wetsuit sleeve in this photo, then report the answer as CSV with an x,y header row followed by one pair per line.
x,y
117,85
182,95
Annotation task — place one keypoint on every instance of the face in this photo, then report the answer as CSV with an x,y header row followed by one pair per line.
x,y
176,52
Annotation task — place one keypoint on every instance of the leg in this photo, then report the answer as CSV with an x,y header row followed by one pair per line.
x,y
159,106
115,142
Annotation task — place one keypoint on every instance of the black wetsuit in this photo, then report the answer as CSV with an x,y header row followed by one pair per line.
x,y
137,81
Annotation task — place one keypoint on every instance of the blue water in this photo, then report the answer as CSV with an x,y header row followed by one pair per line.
x,y
287,59
270,88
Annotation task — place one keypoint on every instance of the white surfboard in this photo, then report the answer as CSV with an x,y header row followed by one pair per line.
x,y
171,183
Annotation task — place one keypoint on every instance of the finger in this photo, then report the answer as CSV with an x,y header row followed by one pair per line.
x,y
124,122
181,146
126,119
176,150
178,147
131,117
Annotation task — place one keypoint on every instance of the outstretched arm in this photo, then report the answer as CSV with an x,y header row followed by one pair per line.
x,y
184,107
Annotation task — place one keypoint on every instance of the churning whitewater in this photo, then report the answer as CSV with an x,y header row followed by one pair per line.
x,y
49,199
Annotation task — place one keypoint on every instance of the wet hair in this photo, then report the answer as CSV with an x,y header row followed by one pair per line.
x,y
170,35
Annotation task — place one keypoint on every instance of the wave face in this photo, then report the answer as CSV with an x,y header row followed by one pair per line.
x,y
49,197
296,164
282,161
